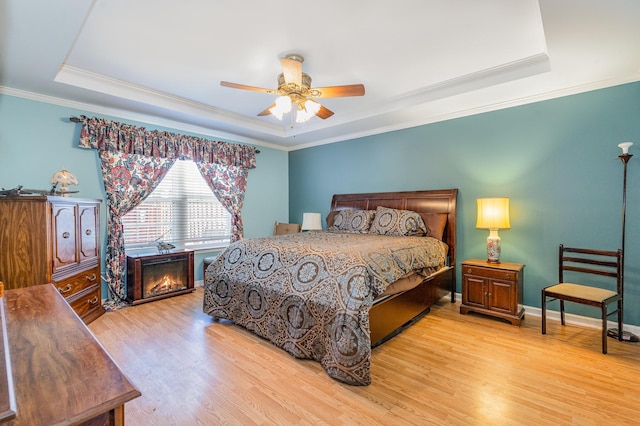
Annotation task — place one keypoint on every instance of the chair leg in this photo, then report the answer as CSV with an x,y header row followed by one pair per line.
x,y
620,315
562,312
544,313
604,328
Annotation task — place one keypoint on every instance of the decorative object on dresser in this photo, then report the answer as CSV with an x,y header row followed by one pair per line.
x,y
493,289
311,221
493,213
61,181
61,374
624,157
19,191
50,239
154,277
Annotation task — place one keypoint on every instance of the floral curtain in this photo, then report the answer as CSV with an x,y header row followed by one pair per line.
x,y
134,161
128,179
107,135
228,183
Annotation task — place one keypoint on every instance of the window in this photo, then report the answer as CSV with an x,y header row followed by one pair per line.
x,y
182,210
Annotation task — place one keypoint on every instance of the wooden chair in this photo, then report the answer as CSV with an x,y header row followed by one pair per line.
x,y
598,262
286,228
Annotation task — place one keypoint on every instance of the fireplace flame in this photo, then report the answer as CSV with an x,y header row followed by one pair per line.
x,y
164,285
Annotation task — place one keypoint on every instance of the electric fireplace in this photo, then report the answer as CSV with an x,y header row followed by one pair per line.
x,y
153,277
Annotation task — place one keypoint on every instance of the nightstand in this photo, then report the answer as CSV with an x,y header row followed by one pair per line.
x,y
493,289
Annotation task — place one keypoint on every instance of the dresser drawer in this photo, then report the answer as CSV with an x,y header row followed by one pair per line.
x,y
76,283
489,273
87,301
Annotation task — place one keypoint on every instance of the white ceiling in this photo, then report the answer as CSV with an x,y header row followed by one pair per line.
x,y
421,61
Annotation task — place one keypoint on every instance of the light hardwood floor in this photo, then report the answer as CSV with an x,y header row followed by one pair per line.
x,y
446,369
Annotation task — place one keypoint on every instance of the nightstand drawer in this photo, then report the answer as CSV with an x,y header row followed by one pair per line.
x,y
76,283
489,273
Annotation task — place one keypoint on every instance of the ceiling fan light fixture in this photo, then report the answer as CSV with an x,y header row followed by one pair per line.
x,y
283,106
312,106
306,110
294,89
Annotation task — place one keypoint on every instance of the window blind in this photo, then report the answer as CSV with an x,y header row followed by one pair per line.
x,y
182,210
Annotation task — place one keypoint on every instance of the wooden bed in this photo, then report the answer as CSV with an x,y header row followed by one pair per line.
x,y
333,295
390,315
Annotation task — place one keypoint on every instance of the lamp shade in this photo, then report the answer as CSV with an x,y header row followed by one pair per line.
x,y
624,146
493,213
311,221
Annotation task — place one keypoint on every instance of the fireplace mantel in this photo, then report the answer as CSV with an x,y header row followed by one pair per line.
x,y
157,276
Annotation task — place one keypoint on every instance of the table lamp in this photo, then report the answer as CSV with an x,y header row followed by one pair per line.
x,y
493,213
61,181
311,221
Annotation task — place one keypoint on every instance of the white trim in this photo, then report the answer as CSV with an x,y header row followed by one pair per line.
x,y
424,120
144,118
496,106
572,319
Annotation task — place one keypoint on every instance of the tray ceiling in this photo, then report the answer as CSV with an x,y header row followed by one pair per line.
x,y
421,61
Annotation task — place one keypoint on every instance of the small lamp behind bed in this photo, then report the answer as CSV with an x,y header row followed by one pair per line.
x,y
311,221
493,213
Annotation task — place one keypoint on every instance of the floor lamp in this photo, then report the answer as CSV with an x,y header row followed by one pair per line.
x,y
625,157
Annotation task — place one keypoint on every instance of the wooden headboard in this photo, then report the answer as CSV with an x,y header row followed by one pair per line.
x,y
435,201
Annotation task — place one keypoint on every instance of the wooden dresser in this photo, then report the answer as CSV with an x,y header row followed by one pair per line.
x,y
49,239
61,374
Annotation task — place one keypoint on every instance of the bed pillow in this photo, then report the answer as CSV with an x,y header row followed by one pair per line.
x,y
397,222
351,220
435,223
331,218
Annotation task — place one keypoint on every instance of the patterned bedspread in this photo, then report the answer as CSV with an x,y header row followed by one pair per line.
x,y
310,293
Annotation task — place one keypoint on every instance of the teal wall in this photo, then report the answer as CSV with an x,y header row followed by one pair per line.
x,y
37,139
557,160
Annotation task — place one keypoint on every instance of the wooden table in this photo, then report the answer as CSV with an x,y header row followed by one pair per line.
x,y
61,374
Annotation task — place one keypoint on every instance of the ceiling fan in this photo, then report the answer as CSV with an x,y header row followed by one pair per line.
x,y
294,90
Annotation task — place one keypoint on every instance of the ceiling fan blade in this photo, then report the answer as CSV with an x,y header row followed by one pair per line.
x,y
245,87
292,71
324,112
339,91
266,111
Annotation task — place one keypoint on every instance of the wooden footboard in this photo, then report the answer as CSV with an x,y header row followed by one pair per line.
x,y
391,315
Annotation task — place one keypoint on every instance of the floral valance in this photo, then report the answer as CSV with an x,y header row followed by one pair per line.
x,y
106,135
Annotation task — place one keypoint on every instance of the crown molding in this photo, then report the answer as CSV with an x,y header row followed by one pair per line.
x,y
144,118
428,119
575,90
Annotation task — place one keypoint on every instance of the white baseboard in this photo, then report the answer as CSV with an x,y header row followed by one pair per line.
x,y
198,283
573,319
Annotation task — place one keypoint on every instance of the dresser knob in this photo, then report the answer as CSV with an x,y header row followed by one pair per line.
x,y
65,235
88,232
468,271
66,289
508,276
93,301
90,278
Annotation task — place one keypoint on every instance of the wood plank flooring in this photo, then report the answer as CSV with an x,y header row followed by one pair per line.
x,y
448,369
